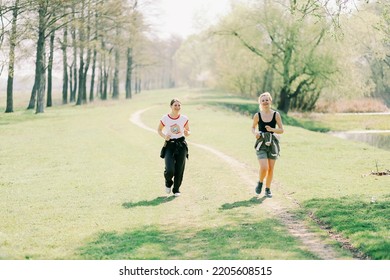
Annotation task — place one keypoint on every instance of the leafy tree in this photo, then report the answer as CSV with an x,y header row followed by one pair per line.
x,y
382,65
363,53
289,37
234,68
193,58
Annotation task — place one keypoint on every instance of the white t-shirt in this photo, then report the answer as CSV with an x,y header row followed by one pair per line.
x,y
174,127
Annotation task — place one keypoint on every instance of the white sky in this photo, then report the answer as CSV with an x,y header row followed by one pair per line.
x,y
185,17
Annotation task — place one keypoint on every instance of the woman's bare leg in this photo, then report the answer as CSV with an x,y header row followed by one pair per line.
x,y
270,172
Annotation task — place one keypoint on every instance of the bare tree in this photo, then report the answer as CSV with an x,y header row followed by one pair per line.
x,y
47,18
73,66
65,77
40,62
11,65
49,101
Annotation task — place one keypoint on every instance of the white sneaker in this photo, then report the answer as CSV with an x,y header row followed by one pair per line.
x,y
177,194
168,190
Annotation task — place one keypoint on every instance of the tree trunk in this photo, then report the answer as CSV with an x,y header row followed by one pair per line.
x,y
11,66
73,82
65,78
284,102
105,84
115,85
89,51
115,93
81,78
81,81
80,96
139,86
128,73
136,80
85,73
31,104
85,76
49,102
100,79
94,58
71,97
41,91
268,80
91,90
40,61
103,73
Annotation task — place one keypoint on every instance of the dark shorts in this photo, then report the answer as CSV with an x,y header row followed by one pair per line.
x,y
264,154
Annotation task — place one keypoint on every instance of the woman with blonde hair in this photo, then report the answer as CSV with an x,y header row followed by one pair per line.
x,y
266,123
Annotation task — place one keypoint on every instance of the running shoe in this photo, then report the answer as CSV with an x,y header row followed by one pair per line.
x,y
268,192
259,187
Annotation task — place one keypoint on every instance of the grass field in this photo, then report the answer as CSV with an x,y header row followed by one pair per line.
x,y
86,183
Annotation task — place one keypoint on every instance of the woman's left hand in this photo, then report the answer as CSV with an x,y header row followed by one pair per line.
x,y
268,128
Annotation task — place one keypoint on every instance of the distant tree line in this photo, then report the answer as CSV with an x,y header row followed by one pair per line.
x,y
102,47
299,50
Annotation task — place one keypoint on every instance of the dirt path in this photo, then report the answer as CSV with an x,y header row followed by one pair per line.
x,y
310,241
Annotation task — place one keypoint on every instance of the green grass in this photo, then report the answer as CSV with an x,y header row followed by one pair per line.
x,y
246,241
317,122
85,183
73,174
250,107
318,166
366,223
343,122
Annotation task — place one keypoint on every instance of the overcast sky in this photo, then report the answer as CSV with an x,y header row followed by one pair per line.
x,y
185,17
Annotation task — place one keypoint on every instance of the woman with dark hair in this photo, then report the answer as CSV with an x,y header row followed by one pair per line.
x,y
174,128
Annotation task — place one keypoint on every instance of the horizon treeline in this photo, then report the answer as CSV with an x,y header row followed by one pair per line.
x,y
301,51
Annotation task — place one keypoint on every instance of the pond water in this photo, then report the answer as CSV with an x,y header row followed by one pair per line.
x,y
380,139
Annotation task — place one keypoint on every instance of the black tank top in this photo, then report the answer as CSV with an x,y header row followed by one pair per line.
x,y
262,124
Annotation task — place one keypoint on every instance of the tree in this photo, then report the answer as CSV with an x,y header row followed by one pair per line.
x,y
383,63
65,77
94,43
86,31
47,18
49,101
363,53
40,63
294,62
81,96
11,65
17,8
4,22
73,80
134,24
297,63
235,69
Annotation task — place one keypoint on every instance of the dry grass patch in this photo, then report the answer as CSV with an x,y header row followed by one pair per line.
x,y
360,105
